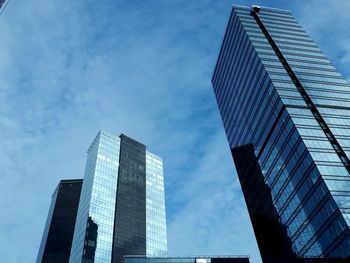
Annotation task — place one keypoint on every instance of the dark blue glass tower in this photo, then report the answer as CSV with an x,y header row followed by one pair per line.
x,y
58,233
286,113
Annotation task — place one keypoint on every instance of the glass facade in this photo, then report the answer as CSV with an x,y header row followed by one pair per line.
x,y
156,243
285,110
58,234
97,202
121,210
130,217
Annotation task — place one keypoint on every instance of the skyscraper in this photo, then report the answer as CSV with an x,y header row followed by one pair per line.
x,y
285,110
121,210
58,233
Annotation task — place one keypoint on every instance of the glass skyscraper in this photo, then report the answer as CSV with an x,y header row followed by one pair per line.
x,y
286,113
58,233
122,209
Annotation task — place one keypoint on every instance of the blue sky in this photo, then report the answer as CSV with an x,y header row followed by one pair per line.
x,y
143,68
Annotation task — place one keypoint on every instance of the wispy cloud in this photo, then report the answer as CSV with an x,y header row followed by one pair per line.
x,y
211,217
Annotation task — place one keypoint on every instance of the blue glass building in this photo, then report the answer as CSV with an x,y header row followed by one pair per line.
x,y
57,238
286,113
121,209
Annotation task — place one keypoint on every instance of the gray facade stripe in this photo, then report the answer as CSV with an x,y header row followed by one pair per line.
x,y
130,213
